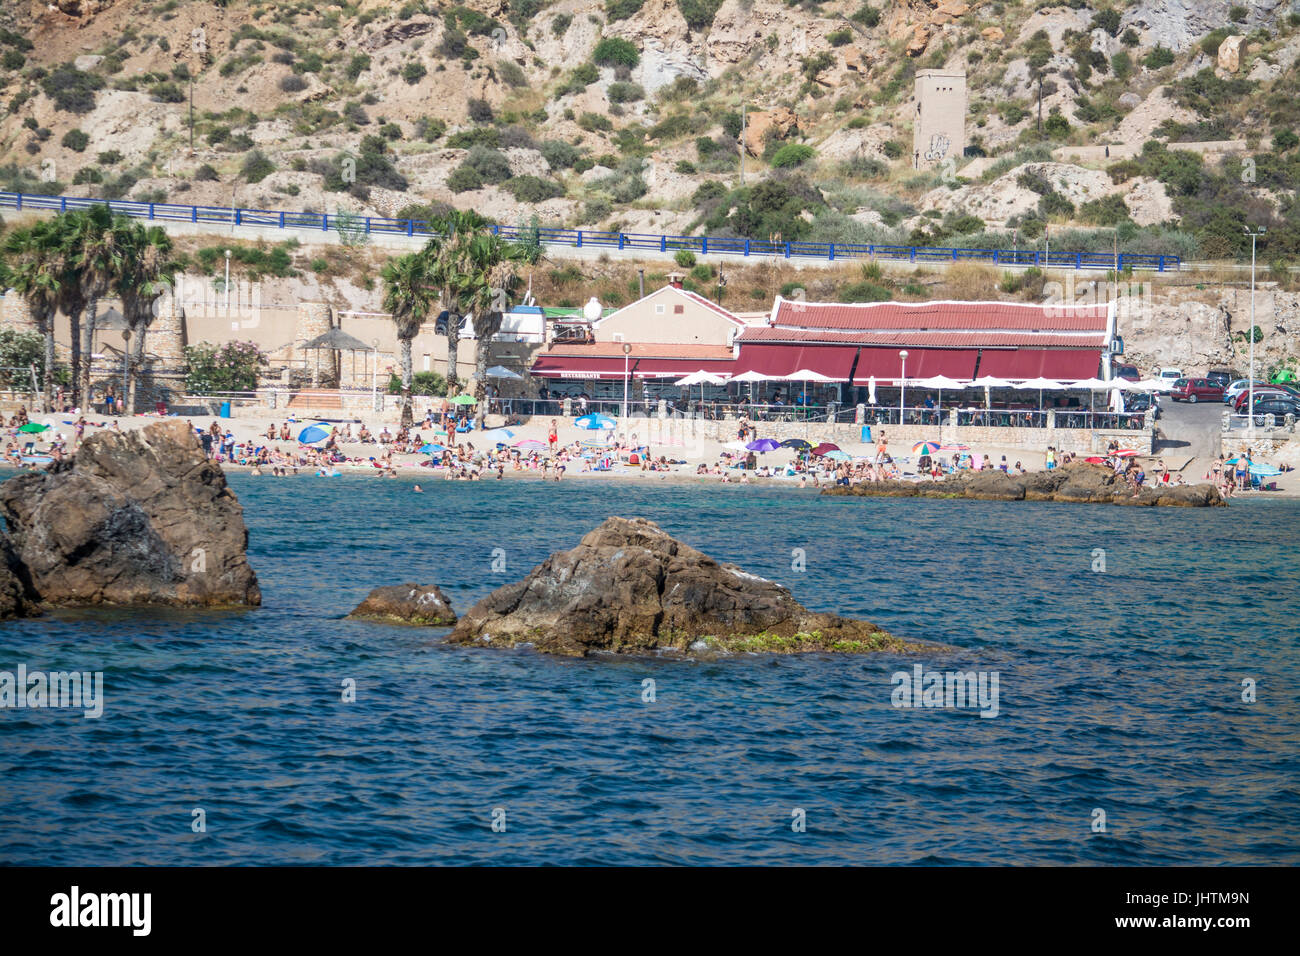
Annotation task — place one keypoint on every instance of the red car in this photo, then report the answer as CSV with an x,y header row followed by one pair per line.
x,y
1269,392
1196,390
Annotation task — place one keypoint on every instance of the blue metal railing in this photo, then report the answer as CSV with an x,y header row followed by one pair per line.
x,y
623,241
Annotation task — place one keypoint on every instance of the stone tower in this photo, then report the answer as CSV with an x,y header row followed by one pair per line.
x,y
939,118
315,318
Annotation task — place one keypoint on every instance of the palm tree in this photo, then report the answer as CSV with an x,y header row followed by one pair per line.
x,y
72,297
99,262
37,266
150,274
488,288
450,261
408,298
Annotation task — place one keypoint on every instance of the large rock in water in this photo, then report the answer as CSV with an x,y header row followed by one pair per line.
x,y
407,604
15,601
629,587
140,517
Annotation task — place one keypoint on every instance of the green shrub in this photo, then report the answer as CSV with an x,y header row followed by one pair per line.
x,y
893,149
1283,140
72,90
622,9
357,65
205,174
490,164
77,141
560,24
479,110
414,72
463,178
478,136
699,14
559,154
684,258
625,92
1107,20
593,122
1158,58
533,189
867,15
791,155
615,51
511,74
256,167
840,37
430,128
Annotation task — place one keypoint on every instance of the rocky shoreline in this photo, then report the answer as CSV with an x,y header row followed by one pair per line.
x,y
1079,482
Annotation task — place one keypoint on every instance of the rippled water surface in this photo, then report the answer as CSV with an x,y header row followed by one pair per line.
x,y
1119,691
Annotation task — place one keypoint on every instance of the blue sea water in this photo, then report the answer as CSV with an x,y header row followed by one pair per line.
x,y
1120,691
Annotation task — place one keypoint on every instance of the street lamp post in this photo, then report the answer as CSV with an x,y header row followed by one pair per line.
x,y
227,285
627,351
374,375
902,385
1250,399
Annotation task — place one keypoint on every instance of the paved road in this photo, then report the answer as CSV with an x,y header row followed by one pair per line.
x,y
1189,431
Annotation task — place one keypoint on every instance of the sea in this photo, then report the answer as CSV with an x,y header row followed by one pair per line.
x,y
1145,664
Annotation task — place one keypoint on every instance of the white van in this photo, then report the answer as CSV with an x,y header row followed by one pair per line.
x,y
1167,378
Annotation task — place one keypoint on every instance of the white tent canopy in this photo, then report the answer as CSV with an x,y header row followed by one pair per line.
x,y
500,371
751,377
992,381
701,378
1146,385
1089,383
1042,383
941,382
807,375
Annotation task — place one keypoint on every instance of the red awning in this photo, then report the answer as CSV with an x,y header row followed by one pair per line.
x,y
780,361
1064,365
886,366
560,366
680,368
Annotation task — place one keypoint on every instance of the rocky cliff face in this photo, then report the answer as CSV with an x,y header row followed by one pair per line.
x,y
629,587
133,518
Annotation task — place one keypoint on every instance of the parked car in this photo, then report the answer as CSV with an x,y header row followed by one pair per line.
x,y
1222,376
1195,390
1277,407
1128,372
1167,377
1140,402
1266,392
1237,386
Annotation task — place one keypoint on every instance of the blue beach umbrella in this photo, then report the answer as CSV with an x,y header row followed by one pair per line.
x,y
432,449
595,422
1264,471
838,455
314,433
497,436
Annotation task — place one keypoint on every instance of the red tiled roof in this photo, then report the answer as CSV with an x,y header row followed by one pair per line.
x,y
921,339
704,353
936,316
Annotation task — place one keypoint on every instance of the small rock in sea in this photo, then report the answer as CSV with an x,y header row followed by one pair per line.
x,y
407,604
629,587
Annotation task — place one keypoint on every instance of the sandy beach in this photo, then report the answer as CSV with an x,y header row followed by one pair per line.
x,y
249,427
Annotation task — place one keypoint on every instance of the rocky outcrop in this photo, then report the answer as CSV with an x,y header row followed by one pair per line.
x,y
629,587
1078,482
407,604
140,517
15,601
762,125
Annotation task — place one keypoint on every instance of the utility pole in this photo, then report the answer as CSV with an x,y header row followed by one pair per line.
x,y
1250,399
1040,104
191,114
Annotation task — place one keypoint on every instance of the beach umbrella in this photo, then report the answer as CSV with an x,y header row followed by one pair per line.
x,y
595,422
837,455
825,447
871,390
797,443
500,371
750,376
1042,384
1146,385
1126,453
497,435
530,444
33,428
314,433
991,381
433,449
464,400
736,446
939,383
763,445
1096,460
925,448
955,446
1262,470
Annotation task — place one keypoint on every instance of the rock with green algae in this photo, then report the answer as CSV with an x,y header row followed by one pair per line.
x,y
631,588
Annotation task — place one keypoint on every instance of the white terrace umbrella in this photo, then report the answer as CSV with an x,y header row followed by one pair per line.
x,y
871,390
807,375
751,377
992,381
1092,385
939,383
700,378
1042,384
500,371
1146,385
